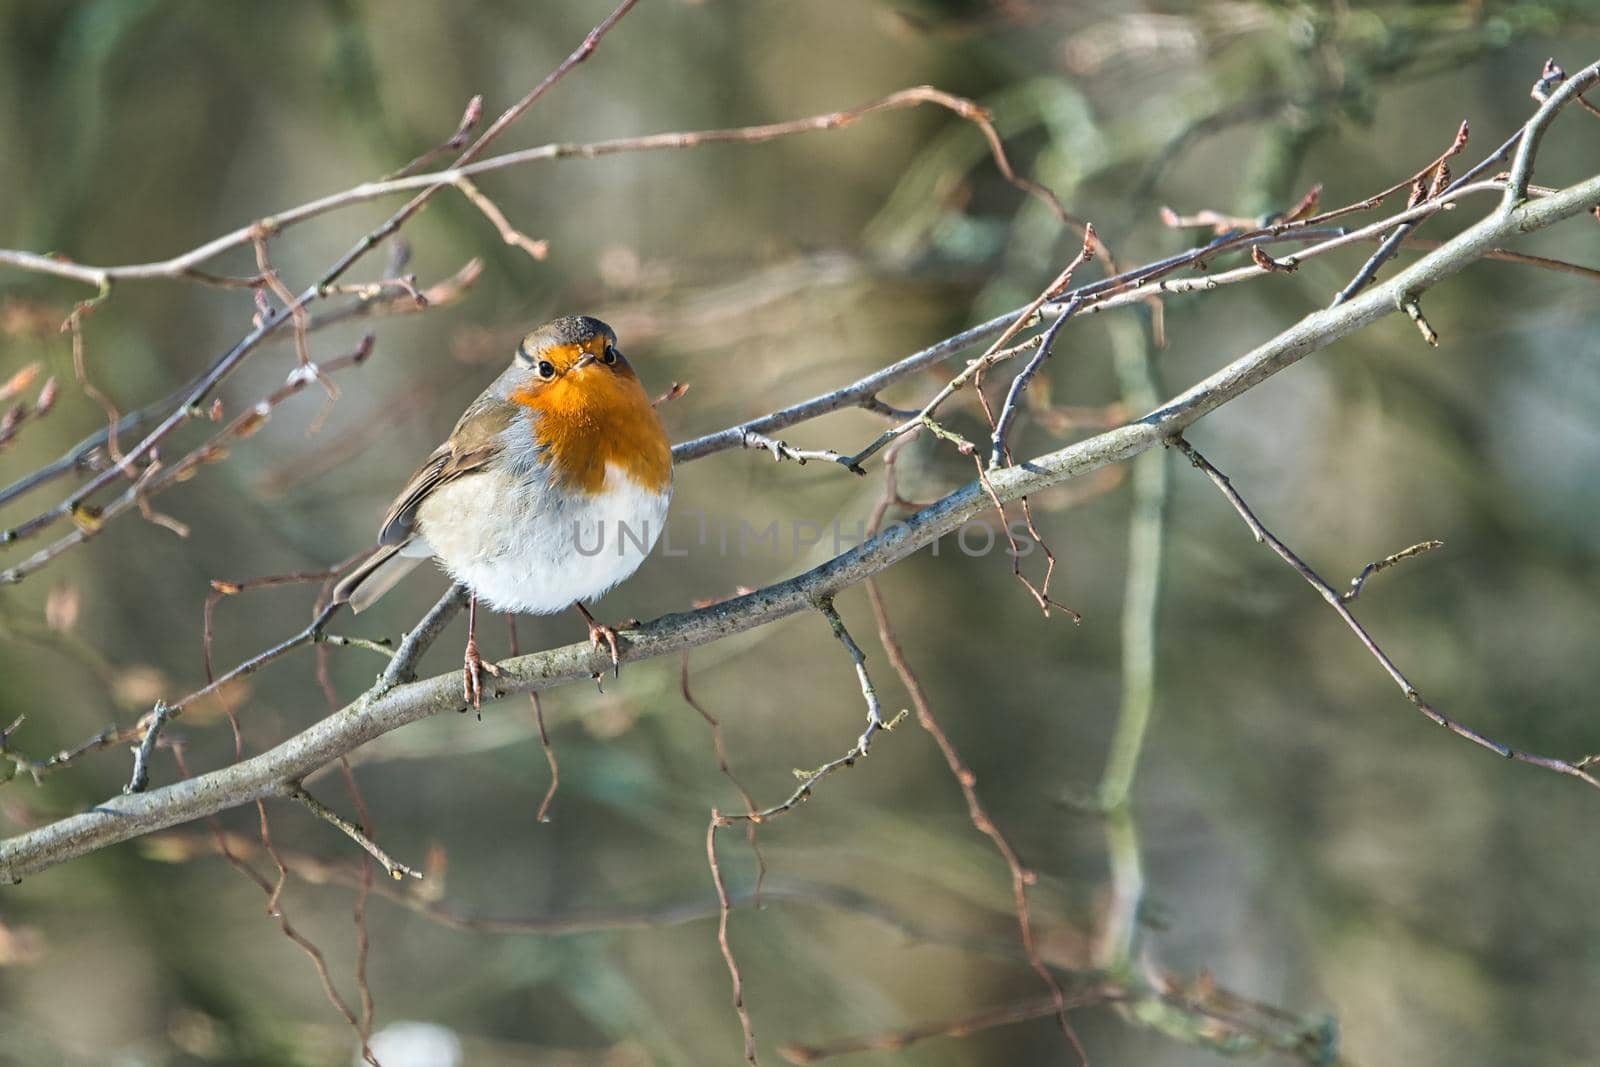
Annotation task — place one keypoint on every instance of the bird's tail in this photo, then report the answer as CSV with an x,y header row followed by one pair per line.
x,y
375,577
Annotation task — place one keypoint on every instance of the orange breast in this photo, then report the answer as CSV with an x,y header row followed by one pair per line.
x,y
595,419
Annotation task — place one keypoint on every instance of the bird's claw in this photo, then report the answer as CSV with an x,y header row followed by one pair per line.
x,y
598,632
474,666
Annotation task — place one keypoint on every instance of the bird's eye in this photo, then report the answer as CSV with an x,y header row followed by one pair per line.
x,y
547,370
609,356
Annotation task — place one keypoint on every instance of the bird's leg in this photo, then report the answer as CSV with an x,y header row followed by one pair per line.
x,y
475,665
599,631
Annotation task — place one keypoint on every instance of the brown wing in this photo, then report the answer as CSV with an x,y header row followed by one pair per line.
x,y
472,444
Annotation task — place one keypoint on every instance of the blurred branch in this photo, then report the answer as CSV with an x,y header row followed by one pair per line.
x,y
388,707
1135,365
464,170
1196,1011
1021,876
425,899
895,1040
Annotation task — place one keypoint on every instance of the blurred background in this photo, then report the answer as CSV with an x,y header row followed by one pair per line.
x,y
1319,866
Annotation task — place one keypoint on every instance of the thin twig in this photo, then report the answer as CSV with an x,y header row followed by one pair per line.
x,y
152,724
536,250
995,353
543,814
1533,131
318,961
396,869
869,692
402,666
724,909
1019,384
1337,603
1021,876
1359,581
1427,176
471,115
809,778
720,749
781,451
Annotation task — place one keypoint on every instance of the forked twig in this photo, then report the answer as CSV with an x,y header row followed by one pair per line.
x,y
1340,608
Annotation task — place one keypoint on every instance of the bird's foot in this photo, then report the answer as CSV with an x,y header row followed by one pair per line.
x,y
474,666
599,631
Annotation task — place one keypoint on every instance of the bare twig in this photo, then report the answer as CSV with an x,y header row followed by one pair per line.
x,y
537,250
470,117
358,910
720,749
1426,184
995,353
1359,582
1338,604
1533,131
74,327
1019,384
318,961
724,909
543,814
1526,146
869,692
396,869
152,724
1413,309
809,778
781,451
467,165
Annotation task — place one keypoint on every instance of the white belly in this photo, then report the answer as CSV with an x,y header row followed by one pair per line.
x,y
528,548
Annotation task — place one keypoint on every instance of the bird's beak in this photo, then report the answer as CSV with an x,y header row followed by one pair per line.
x,y
588,358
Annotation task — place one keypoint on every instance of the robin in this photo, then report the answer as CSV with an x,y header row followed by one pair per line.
x,y
551,489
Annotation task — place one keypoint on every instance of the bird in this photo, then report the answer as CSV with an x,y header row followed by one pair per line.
x,y
552,488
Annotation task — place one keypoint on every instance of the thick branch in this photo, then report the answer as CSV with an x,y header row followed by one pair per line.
x,y
270,774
